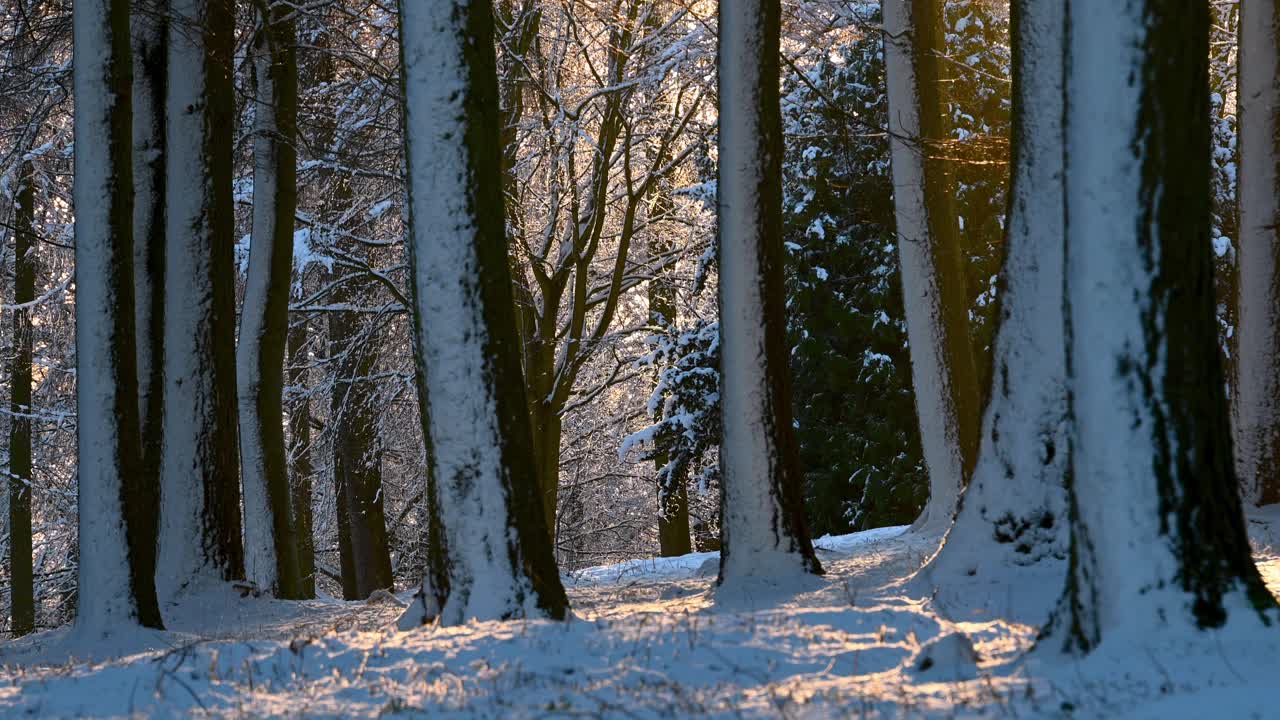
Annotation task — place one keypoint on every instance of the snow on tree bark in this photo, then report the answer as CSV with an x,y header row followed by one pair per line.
x,y
116,591
150,73
199,480
499,562
1257,394
942,366
271,548
763,526
1013,511
1157,531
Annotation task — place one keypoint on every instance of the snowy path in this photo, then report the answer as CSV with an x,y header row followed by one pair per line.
x,y
648,640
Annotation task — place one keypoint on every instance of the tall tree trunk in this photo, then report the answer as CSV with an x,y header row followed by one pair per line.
x,y
364,553
300,465
1257,395
933,287
763,521
116,592
673,492
22,591
521,20
271,547
150,73
1013,511
200,478
1158,540
499,562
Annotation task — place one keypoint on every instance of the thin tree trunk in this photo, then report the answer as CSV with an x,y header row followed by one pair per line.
x,y
1013,511
200,478
116,592
522,33
933,286
1158,539
150,73
499,562
300,465
673,492
1257,395
271,547
364,553
22,591
763,528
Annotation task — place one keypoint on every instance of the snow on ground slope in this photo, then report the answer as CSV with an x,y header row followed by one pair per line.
x,y
651,639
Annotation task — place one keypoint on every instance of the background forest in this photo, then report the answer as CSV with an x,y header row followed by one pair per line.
x,y
609,115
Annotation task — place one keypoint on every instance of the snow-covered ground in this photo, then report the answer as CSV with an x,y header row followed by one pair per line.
x,y
652,639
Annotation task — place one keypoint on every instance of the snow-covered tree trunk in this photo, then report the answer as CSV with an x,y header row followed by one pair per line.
x,y
150,71
1158,541
763,528
200,478
21,589
933,287
1013,511
271,548
116,592
500,564
1257,395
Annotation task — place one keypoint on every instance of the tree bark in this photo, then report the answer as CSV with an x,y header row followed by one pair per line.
x,y
1013,512
22,590
499,563
364,553
116,591
673,492
200,479
271,547
1158,539
933,286
150,73
1257,394
763,528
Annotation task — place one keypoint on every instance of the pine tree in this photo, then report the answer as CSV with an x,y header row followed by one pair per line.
x,y
855,414
1257,393
499,562
1158,540
933,283
1013,511
116,591
763,529
271,548
200,478
1224,105
977,105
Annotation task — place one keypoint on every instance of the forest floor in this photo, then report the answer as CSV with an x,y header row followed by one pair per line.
x,y
653,639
